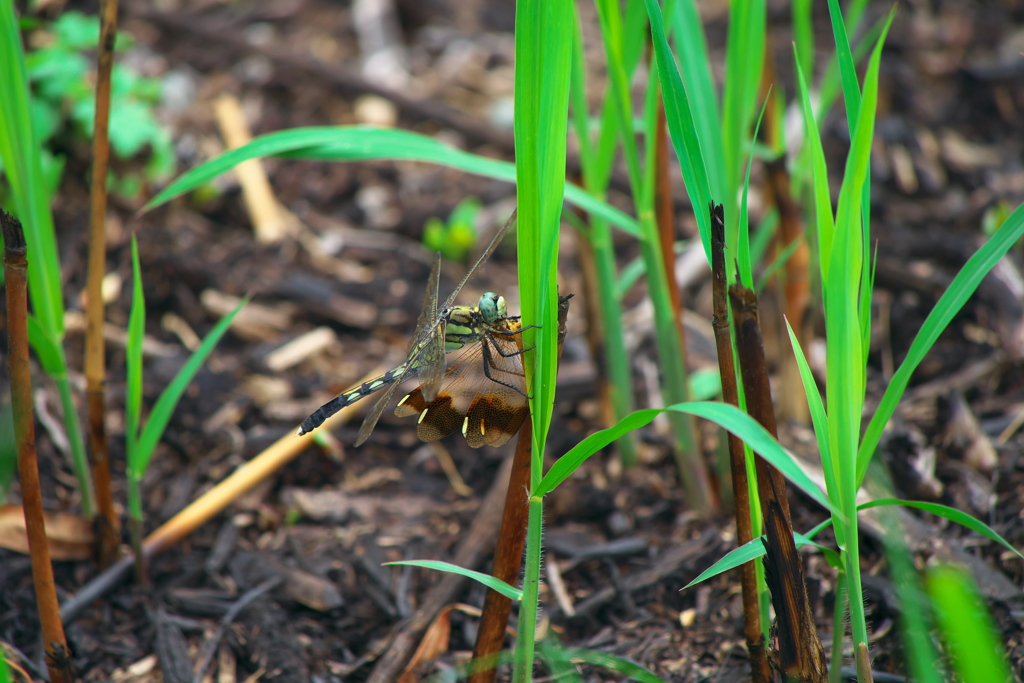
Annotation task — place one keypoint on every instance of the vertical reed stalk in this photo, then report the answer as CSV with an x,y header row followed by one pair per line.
x,y
16,274
95,366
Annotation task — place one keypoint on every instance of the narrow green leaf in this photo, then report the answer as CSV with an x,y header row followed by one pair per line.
x,y
365,143
960,290
967,628
818,416
823,224
133,360
695,70
20,156
612,662
491,582
744,58
952,514
164,408
681,126
751,550
47,349
727,416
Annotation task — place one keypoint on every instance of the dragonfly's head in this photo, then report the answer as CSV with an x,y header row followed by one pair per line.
x,y
492,307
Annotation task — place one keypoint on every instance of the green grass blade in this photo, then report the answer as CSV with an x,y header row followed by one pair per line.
x,y
966,626
743,233
543,60
824,224
960,290
366,143
48,349
744,62
20,154
751,550
952,514
818,416
596,163
727,416
133,356
510,592
681,127
611,662
695,70
847,67
803,35
165,405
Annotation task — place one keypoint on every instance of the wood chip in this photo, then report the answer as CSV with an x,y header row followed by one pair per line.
x,y
300,348
255,322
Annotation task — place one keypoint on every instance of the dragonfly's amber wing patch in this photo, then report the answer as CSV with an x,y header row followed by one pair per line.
x,y
483,394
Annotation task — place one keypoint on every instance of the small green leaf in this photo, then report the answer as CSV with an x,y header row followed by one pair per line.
x,y
165,405
952,514
486,579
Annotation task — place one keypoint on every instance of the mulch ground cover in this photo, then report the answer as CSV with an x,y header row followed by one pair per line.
x,y
948,150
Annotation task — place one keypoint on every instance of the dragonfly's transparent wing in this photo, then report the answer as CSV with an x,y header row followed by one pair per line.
x,y
428,312
428,344
419,352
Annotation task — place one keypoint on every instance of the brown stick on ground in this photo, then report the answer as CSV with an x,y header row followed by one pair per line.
x,y
741,489
16,271
108,525
508,553
801,656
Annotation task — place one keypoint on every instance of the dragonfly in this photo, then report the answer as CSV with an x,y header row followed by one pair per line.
x,y
483,389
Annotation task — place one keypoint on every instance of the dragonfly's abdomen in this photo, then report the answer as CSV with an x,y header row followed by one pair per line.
x,y
350,397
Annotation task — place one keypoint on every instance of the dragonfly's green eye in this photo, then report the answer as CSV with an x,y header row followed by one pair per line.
x,y
492,307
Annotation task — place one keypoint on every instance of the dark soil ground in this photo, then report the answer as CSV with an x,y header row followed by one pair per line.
x,y
948,151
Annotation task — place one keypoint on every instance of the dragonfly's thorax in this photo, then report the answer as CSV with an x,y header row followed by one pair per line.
x,y
465,325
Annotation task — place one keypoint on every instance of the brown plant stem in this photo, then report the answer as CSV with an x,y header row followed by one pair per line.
x,y
16,275
752,633
108,526
801,657
508,558
508,553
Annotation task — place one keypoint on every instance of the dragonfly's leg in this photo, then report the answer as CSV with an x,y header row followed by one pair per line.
x,y
509,333
488,364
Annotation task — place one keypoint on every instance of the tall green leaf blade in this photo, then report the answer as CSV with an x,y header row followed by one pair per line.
x,y
744,62
20,154
133,360
695,70
960,290
160,416
681,125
